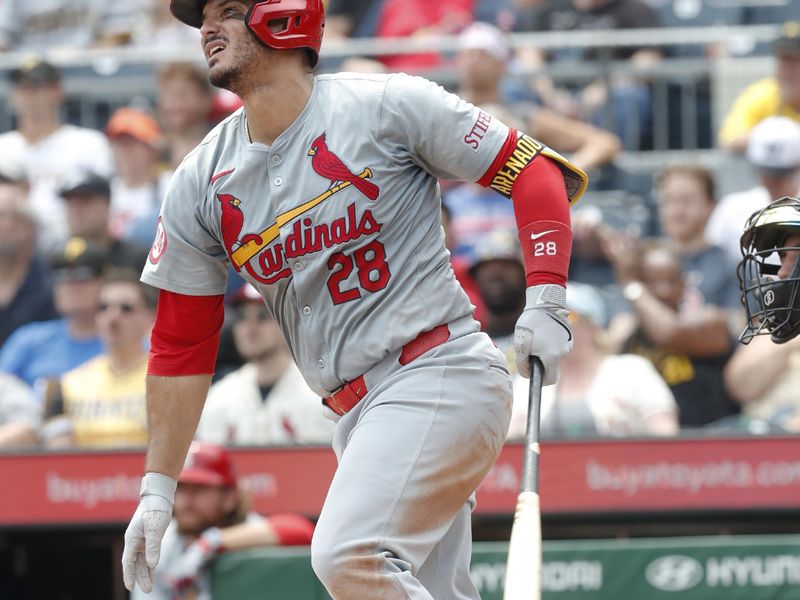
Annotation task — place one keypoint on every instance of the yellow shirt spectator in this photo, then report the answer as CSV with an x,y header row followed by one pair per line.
x,y
758,101
105,409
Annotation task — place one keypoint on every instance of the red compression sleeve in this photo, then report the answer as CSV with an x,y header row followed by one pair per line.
x,y
541,207
185,336
542,212
292,530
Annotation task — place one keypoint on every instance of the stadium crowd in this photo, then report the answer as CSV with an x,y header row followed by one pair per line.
x,y
655,309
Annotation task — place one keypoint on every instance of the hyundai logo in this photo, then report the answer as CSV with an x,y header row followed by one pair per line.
x,y
674,573
769,297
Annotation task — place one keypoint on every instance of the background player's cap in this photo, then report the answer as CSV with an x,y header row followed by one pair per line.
x,y
774,146
78,259
34,71
128,121
586,301
501,244
483,36
788,41
85,183
246,293
208,464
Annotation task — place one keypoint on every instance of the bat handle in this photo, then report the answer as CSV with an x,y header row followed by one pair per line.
x,y
530,467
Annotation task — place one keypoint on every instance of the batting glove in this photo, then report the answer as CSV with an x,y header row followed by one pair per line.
x,y
543,331
196,556
143,536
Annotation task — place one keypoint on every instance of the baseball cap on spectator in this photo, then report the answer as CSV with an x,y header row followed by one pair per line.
x,y
774,146
501,244
85,183
35,71
208,464
136,124
788,41
78,259
585,301
482,36
246,293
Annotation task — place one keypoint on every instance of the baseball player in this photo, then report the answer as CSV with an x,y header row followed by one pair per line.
x,y
322,192
769,273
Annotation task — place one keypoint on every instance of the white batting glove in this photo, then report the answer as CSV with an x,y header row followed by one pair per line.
x,y
543,331
143,536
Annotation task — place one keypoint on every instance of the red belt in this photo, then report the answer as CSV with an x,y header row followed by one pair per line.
x,y
346,397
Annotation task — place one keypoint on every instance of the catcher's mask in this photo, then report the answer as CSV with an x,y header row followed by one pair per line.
x,y
772,305
304,22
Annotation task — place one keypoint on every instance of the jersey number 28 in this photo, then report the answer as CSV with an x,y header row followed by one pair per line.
x,y
373,271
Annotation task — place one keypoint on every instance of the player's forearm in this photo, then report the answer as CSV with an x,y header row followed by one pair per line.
x,y
755,368
174,405
249,535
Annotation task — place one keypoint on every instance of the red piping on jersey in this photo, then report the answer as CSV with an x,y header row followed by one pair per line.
x,y
185,336
221,174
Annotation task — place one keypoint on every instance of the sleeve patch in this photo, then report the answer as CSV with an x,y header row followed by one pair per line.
x,y
526,150
478,132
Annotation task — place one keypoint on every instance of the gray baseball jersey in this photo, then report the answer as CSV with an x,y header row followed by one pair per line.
x,y
337,223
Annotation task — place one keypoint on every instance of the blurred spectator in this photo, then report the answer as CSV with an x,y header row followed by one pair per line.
x,y
26,293
623,104
211,516
37,352
351,18
155,27
774,96
87,197
481,63
20,413
101,404
51,151
764,378
686,198
773,149
185,100
266,401
688,343
599,393
500,277
141,182
47,24
419,20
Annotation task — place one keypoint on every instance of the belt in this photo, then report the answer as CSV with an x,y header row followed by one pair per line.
x,y
346,397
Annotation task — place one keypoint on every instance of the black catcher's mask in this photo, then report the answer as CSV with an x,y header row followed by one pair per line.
x,y
772,304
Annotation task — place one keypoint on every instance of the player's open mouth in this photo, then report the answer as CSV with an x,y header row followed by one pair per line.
x,y
214,48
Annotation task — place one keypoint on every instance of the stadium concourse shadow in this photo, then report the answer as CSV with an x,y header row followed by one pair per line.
x,y
741,567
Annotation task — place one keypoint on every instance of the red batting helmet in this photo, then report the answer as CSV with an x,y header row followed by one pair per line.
x,y
305,20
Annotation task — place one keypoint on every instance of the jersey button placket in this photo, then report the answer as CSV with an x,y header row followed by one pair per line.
x,y
306,310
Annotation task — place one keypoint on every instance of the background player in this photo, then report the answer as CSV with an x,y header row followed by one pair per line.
x,y
357,276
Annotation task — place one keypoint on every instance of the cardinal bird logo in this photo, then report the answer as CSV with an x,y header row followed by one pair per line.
x,y
330,166
232,221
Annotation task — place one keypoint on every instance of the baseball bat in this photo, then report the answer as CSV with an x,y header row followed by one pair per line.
x,y
524,564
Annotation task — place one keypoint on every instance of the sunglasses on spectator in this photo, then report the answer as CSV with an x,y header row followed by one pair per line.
x,y
262,316
124,307
75,274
